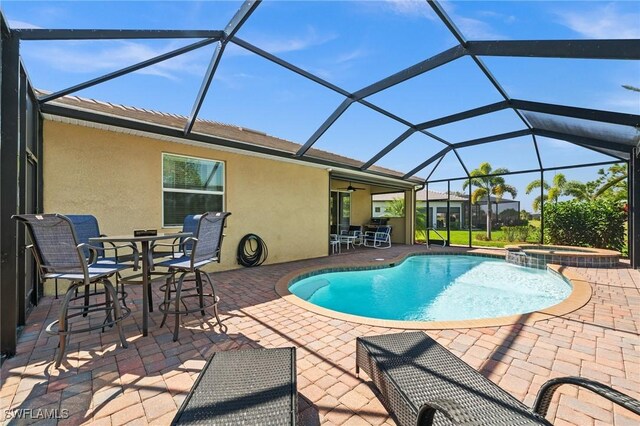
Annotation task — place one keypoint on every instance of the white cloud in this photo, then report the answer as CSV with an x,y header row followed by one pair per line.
x,y
350,56
21,24
507,19
408,8
471,28
602,22
475,29
292,43
86,57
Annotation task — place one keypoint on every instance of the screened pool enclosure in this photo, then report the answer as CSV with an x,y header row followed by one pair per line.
x,y
416,92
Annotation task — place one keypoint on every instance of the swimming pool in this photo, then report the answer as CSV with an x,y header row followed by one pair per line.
x,y
436,288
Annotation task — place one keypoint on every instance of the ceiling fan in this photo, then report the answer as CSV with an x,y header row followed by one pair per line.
x,y
351,188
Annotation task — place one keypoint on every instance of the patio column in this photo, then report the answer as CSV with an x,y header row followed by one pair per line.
x,y
634,208
9,153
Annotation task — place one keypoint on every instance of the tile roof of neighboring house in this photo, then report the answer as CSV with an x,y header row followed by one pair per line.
x,y
420,195
437,196
207,127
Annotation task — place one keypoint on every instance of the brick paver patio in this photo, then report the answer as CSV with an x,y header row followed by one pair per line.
x,y
101,383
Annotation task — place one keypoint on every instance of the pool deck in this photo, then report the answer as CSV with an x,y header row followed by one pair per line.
x,y
103,384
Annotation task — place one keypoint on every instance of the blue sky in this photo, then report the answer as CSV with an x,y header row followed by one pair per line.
x,y
351,44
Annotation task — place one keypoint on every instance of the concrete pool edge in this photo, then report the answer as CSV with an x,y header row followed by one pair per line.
x,y
580,295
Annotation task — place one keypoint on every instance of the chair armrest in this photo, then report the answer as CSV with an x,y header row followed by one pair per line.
x,y
95,249
543,399
189,240
173,244
451,410
370,234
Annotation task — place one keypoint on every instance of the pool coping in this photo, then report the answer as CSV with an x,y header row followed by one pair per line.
x,y
580,296
571,251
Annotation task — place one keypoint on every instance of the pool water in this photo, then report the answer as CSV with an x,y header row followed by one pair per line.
x,y
436,288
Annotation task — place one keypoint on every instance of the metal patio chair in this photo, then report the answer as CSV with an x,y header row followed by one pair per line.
x,y
380,239
205,244
179,246
422,383
86,227
60,255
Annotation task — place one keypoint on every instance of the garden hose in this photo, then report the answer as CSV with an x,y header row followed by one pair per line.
x,y
252,251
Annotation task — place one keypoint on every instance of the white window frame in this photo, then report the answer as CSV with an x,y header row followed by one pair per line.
x,y
191,191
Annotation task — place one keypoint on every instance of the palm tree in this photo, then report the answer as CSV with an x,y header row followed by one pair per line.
x,y
553,191
486,186
394,208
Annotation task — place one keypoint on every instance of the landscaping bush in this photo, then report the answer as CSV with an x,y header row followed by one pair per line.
x,y
515,233
480,236
534,234
597,223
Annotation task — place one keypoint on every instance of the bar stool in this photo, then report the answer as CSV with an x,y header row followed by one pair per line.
x,y
205,248
59,256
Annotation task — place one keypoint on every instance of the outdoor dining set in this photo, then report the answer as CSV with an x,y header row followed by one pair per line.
x,y
71,248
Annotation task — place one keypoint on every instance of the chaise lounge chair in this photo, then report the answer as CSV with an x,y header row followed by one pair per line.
x,y
422,383
245,387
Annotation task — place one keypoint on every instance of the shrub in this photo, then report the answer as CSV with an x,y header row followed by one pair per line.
x,y
534,234
596,223
515,233
480,237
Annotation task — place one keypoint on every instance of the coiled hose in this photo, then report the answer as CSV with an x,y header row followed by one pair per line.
x,y
252,251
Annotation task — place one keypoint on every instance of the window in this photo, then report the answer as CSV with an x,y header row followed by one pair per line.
x,y
190,186
377,209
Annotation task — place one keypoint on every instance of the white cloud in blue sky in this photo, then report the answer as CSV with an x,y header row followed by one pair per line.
x,y
602,21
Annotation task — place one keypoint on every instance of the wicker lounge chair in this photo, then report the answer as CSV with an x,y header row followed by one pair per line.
x,y
246,387
423,383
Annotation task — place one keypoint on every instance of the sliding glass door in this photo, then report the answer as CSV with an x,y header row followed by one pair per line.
x,y
340,206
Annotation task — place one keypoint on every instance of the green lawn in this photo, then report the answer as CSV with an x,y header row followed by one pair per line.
x,y
461,238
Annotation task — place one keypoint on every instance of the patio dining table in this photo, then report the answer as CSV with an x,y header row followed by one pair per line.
x,y
145,241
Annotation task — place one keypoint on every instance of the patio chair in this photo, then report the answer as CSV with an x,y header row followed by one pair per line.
x,y
86,227
356,231
422,383
60,255
353,234
244,387
380,239
334,242
206,244
179,246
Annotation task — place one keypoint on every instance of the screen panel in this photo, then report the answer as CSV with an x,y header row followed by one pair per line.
x,y
351,44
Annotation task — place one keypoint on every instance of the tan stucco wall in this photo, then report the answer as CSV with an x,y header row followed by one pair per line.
x,y
118,178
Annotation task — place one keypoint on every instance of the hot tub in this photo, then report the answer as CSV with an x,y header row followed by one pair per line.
x,y
537,256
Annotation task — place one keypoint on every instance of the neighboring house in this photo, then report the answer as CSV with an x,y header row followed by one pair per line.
x,y
437,206
458,208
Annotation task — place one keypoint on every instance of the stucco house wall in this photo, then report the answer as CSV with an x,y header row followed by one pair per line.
x,y
118,178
